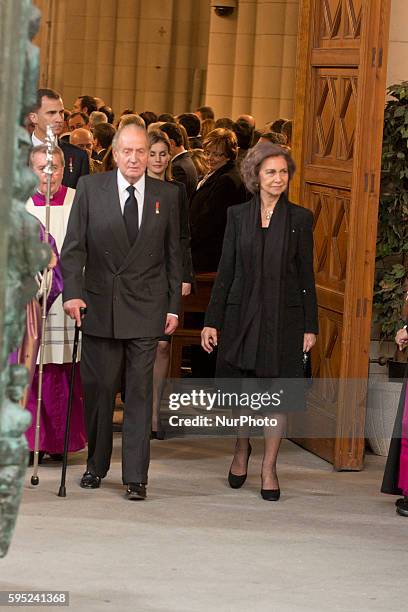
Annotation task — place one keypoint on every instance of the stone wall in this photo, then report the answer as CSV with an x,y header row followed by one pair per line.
x,y
132,53
252,60
398,49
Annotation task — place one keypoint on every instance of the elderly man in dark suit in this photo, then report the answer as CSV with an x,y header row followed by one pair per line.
x,y
182,165
49,110
121,258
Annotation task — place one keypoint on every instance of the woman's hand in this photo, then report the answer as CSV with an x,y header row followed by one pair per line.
x,y
401,338
309,340
185,289
209,339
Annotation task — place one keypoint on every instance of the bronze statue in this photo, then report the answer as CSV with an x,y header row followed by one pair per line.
x,y
24,256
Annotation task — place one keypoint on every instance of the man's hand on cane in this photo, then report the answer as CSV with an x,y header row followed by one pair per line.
x,y
72,309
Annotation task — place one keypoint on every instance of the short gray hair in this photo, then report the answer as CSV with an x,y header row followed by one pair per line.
x,y
253,160
97,117
135,126
43,148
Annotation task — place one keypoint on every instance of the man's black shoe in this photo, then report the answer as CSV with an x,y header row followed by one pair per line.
x,y
402,506
136,491
90,481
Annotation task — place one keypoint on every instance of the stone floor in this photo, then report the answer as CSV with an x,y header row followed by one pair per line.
x,y
332,542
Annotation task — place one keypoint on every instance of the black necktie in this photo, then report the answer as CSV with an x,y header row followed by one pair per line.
x,y
131,215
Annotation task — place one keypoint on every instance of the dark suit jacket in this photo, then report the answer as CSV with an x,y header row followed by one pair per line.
x,y
184,171
300,293
208,215
185,236
76,163
128,290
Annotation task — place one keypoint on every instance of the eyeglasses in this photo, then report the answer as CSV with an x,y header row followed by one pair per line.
x,y
214,154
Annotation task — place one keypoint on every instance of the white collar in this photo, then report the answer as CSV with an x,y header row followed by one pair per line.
x,y
178,154
123,183
36,141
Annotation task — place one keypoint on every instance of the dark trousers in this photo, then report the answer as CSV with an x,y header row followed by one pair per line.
x,y
102,364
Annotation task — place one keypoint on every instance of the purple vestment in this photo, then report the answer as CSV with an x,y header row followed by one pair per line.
x,y
55,387
403,467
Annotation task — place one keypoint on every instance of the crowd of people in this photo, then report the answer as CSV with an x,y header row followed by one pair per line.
x,y
140,203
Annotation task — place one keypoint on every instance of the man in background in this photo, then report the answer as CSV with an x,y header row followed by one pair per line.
x,y
49,110
85,104
183,168
78,120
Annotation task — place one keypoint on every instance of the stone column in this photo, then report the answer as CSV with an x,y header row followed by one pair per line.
x,y
244,58
221,63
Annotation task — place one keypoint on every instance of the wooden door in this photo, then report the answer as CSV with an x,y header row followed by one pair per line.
x,y
340,93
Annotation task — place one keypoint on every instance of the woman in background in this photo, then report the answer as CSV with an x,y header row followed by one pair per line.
x,y
159,167
220,188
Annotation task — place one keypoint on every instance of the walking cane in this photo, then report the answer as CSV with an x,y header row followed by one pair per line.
x,y
62,490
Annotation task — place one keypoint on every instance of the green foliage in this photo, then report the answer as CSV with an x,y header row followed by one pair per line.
x,y
392,238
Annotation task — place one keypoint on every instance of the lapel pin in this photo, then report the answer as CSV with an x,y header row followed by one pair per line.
x,y
157,208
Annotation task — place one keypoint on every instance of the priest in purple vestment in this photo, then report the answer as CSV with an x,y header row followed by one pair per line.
x,y
395,481
59,329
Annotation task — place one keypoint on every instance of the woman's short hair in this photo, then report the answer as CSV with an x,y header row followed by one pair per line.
x,y
253,160
223,139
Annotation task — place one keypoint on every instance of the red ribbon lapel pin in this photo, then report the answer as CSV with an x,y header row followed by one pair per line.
x,y
157,208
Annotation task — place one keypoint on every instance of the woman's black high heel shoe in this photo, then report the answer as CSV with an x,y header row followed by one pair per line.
x,y
270,494
236,482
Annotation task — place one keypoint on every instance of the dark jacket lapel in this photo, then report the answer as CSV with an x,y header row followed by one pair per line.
x,y
149,211
110,207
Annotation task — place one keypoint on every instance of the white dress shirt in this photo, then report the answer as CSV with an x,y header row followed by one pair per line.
x,y
36,141
139,186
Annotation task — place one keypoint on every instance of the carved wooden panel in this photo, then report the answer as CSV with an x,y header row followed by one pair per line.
x,y
335,117
340,23
331,225
327,356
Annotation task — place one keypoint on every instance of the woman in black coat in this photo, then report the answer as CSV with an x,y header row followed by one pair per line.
x,y
221,187
264,299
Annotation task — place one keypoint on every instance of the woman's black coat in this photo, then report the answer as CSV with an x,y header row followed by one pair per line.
x,y
208,215
299,298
